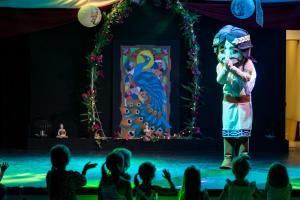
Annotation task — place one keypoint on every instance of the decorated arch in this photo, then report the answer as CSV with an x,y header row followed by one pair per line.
x,y
118,15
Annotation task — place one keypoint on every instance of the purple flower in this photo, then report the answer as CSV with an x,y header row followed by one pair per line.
x,y
197,130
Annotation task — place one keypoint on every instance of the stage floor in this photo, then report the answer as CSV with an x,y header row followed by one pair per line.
x,y
28,169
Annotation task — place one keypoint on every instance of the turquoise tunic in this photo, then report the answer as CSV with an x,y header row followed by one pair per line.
x,y
237,117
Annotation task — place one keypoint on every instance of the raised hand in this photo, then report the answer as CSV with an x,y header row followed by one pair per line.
x,y
4,166
89,165
166,174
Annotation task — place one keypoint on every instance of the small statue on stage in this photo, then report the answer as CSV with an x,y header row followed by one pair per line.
x,y
62,133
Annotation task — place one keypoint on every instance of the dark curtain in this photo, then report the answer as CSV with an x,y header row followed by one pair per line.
x,y
16,21
14,89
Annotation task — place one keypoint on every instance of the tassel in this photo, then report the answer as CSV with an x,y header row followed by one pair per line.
x,y
259,13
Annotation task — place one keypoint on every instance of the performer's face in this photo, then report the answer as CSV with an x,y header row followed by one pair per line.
x,y
228,50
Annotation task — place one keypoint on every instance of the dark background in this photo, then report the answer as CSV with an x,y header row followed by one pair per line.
x,y
44,73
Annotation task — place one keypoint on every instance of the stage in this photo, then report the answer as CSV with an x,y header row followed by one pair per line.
x,y
28,168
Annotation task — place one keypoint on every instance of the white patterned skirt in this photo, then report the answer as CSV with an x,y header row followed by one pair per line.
x,y
237,119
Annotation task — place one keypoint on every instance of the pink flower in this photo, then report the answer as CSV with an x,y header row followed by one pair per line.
x,y
93,57
99,59
96,126
90,92
96,58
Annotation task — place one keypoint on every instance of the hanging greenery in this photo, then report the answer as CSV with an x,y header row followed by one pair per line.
x,y
95,60
192,46
119,12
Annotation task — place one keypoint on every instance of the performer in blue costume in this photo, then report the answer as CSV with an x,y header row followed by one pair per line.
x,y
236,72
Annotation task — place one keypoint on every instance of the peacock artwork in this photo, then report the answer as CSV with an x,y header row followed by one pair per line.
x,y
145,89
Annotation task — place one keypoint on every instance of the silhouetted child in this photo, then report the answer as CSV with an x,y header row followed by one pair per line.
x,y
61,183
147,191
191,187
112,185
240,188
278,186
127,157
2,192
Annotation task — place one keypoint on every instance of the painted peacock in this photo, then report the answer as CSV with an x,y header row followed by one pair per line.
x,y
150,107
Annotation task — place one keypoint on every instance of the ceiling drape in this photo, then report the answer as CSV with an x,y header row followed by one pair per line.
x,y
16,21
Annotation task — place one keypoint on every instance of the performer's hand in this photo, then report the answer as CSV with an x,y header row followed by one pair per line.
x,y
4,167
229,63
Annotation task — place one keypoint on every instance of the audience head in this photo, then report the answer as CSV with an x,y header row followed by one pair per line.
x,y
2,192
126,154
278,175
60,156
241,166
115,163
191,183
147,171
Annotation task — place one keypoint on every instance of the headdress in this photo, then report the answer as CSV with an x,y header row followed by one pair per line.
x,y
236,36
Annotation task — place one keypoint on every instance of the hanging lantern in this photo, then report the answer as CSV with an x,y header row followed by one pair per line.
x,y
89,15
242,9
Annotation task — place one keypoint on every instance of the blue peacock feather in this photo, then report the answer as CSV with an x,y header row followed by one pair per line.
x,y
152,85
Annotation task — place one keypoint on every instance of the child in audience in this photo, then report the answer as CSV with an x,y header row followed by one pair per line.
x,y
112,185
61,183
240,188
278,186
2,192
191,187
127,157
147,191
